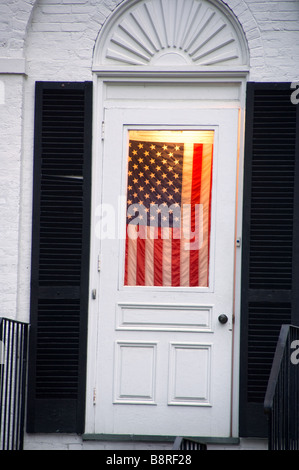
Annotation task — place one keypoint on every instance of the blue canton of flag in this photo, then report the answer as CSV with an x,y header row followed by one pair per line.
x,y
154,183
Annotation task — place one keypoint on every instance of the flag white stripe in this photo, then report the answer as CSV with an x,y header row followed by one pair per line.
x,y
186,212
205,199
167,254
149,257
132,254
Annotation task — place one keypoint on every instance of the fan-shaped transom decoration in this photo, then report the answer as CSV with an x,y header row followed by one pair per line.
x,y
171,32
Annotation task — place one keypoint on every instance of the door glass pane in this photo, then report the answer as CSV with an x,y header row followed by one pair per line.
x,y
169,208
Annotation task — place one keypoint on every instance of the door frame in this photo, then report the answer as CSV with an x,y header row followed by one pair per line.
x,y
153,76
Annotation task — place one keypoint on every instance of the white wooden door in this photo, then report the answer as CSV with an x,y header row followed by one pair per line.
x,y
164,359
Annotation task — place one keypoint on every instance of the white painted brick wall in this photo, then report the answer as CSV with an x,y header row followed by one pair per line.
x,y
278,22
272,31
73,25
10,167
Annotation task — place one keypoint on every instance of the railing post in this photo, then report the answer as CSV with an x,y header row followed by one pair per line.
x,y
23,385
14,336
282,396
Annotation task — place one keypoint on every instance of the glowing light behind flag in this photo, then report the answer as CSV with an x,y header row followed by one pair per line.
x,y
169,208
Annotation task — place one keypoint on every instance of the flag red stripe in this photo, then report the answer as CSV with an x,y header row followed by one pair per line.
x,y
141,241
158,259
210,213
176,258
195,199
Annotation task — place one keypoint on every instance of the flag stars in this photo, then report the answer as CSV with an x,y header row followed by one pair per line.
x,y
154,180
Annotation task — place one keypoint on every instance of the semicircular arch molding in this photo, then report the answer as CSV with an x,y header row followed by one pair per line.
x,y
198,33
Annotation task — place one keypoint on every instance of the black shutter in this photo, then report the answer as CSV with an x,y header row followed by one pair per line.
x,y
60,257
270,241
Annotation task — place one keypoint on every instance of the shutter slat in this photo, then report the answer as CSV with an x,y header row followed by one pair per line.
x,y
272,186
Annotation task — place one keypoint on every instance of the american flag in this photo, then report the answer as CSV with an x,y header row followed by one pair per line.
x,y
168,213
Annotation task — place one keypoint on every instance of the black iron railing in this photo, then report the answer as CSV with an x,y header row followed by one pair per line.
x,y
13,365
188,443
282,397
